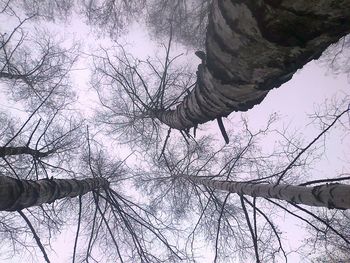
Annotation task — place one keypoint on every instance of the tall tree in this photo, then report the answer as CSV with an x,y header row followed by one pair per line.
x,y
50,145
109,217
235,192
17,194
326,195
252,47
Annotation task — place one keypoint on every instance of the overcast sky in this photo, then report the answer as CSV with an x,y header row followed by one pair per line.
x,y
308,89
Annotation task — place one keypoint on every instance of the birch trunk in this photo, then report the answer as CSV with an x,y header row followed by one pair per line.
x,y
18,194
326,195
252,47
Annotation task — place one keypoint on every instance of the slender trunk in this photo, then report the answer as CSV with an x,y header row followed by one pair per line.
x,y
325,195
252,47
6,151
11,76
17,194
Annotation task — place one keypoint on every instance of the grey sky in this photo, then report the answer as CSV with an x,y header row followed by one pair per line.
x,y
310,87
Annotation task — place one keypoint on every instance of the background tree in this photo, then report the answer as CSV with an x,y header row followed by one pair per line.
x,y
48,144
236,224
188,20
110,217
336,58
34,67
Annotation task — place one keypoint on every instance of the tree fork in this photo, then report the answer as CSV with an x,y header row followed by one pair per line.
x,y
16,194
332,195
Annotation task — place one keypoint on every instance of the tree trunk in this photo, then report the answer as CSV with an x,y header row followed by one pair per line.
x,y
7,151
252,47
325,195
17,194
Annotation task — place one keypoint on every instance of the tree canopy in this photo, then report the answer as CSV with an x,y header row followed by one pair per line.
x,y
115,151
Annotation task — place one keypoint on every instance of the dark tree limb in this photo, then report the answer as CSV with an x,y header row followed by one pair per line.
x,y
271,225
255,238
78,228
165,142
109,229
222,129
36,237
218,227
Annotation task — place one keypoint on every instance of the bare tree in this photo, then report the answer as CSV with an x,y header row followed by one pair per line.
x,y
188,20
224,188
112,16
110,216
17,194
249,51
48,10
233,75
336,58
34,67
325,195
133,91
236,76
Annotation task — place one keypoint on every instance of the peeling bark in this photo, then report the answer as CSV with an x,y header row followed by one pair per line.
x,y
18,194
253,47
326,195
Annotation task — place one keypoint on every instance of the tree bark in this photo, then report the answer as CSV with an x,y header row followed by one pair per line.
x,y
325,195
253,46
17,194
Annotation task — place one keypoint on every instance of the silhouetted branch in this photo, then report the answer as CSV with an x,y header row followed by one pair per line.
x,y
255,238
78,228
36,237
222,129
310,144
270,223
165,142
322,221
218,227
326,180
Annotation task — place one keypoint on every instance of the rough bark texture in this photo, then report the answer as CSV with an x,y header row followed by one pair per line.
x,y
326,195
18,194
254,46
